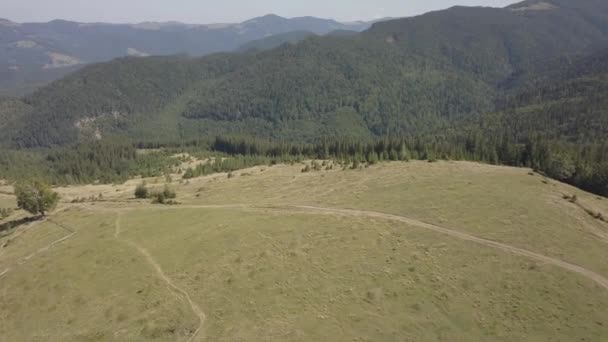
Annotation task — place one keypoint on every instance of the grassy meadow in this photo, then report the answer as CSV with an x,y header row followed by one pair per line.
x,y
237,261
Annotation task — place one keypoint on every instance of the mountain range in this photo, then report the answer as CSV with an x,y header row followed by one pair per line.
x,y
32,54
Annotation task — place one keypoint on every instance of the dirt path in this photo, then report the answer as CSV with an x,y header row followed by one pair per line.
x,y
21,230
46,248
599,279
40,251
161,274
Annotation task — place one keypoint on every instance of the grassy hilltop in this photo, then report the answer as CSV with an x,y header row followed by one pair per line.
x,y
447,251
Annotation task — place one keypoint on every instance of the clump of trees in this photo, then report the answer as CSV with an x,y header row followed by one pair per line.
x,y
231,164
584,165
103,161
36,197
91,198
167,196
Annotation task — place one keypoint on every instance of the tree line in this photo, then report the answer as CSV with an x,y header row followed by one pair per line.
x,y
582,165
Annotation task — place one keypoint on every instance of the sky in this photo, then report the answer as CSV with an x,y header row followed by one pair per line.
x,y
220,11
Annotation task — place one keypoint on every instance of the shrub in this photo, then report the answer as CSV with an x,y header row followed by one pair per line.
x,y
169,193
316,166
141,191
189,174
5,212
571,199
158,198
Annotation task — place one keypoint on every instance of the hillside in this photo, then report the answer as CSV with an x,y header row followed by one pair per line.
x,y
33,54
425,252
494,84
492,43
401,76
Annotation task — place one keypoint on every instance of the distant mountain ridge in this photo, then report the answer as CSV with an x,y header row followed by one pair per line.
x,y
276,40
32,54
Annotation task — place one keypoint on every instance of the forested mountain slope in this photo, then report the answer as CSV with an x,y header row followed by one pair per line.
x,y
492,43
401,77
277,40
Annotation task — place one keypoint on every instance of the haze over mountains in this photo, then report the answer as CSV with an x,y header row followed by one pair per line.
x,y
32,54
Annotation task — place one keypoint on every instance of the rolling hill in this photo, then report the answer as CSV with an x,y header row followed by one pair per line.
x,y
424,252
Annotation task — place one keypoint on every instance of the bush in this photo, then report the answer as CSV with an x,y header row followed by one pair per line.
x,y
189,174
571,199
158,198
5,212
169,193
316,166
141,191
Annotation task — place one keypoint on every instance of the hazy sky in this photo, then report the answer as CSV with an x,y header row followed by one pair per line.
x,y
219,11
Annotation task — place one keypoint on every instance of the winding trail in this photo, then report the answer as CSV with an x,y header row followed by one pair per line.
x,y
161,274
46,248
303,209
598,278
